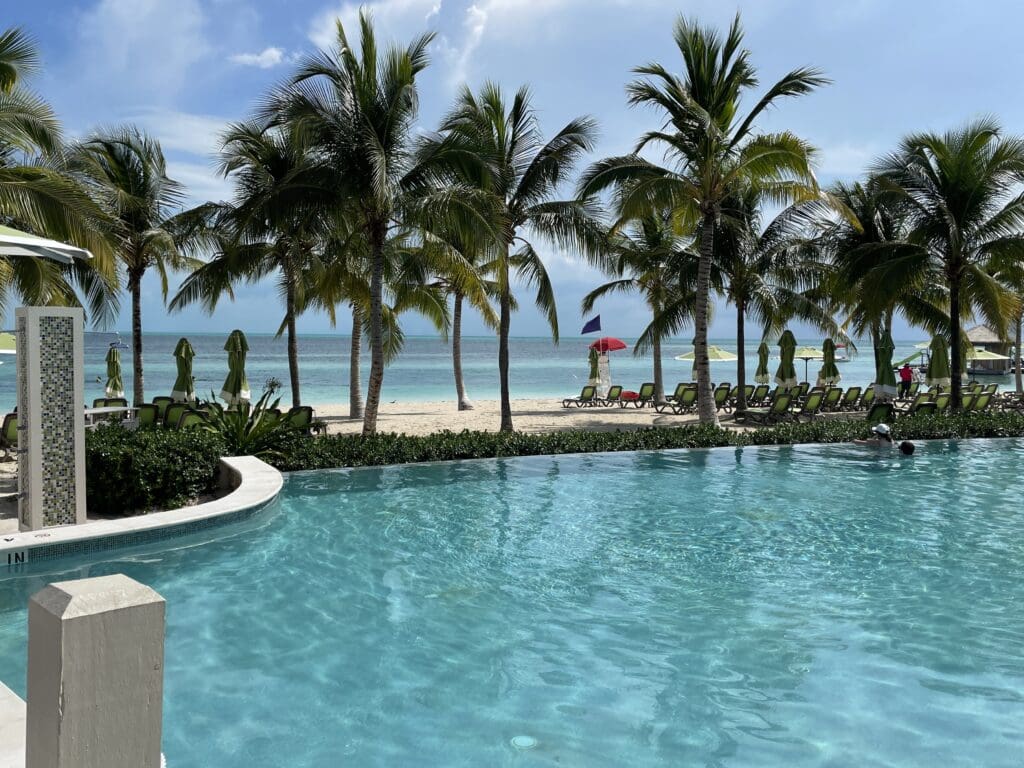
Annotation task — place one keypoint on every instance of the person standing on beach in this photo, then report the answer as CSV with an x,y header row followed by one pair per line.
x,y
906,379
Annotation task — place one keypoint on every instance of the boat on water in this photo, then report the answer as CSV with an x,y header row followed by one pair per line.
x,y
841,354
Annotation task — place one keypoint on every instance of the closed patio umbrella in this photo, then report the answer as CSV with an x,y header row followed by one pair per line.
x,y
829,373
595,375
885,377
115,384
785,376
937,374
185,385
236,386
762,376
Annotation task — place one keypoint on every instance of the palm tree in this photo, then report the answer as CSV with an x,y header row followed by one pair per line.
x,y
772,275
125,169
39,194
358,106
713,151
648,258
964,222
519,174
275,224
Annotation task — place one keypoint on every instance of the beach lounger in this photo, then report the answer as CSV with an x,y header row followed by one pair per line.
x,y
687,403
99,402
850,399
161,402
586,398
675,397
811,406
191,418
721,395
9,436
880,412
760,395
301,417
833,397
967,401
981,403
614,396
915,405
644,397
769,414
172,415
149,415
925,409
942,402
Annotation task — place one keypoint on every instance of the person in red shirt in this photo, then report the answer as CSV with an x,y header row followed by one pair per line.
x,y
906,378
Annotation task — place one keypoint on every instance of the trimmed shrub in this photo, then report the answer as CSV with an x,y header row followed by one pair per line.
x,y
134,472
356,451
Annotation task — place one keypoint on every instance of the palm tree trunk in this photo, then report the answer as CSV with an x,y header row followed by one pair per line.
x,y
955,369
355,393
135,288
705,398
741,357
293,340
460,386
1016,368
504,323
659,376
376,333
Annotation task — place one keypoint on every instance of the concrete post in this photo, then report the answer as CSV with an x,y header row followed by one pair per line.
x,y
95,675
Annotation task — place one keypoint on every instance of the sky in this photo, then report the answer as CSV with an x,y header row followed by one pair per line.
x,y
182,69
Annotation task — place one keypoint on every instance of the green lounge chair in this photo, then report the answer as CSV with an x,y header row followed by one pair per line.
x,y
586,398
685,404
301,417
191,418
172,415
721,395
967,401
915,386
9,436
675,397
981,402
644,397
942,401
769,414
926,409
760,395
811,406
914,407
832,399
850,399
149,415
612,398
99,402
880,412
161,404
992,389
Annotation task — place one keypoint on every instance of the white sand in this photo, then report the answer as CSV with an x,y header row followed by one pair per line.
x,y
528,415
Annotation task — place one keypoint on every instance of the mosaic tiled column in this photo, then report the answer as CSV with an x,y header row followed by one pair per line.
x,y
51,431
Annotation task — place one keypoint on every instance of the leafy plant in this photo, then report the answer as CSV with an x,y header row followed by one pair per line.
x,y
133,472
253,429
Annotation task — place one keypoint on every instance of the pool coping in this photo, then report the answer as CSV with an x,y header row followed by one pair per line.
x,y
254,485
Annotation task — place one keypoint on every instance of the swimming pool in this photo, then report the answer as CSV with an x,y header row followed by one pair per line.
x,y
755,607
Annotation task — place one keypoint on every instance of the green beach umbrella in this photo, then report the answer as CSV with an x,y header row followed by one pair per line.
x,y
983,354
829,373
236,386
937,374
595,374
115,384
185,385
715,355
785,376
885,377
8,344
762,376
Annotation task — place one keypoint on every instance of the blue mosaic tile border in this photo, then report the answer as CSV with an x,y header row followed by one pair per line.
x,y
49,552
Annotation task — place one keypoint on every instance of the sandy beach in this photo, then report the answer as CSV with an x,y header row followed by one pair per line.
x,y
528,415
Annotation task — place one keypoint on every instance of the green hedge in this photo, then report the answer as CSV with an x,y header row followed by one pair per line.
x,y
356,451
133,472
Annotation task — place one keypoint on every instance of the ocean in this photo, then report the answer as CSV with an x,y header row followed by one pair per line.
x,y
424,370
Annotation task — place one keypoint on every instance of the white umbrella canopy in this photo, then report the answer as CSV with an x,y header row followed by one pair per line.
x,y
14,242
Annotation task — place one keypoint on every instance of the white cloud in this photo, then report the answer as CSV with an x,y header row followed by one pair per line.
x,y
182,131
398,19
137,47
265,59
201,181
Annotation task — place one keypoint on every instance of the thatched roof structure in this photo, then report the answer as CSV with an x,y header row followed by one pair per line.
x,y
982,334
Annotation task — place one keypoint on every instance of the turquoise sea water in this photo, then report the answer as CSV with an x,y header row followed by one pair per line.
x,y
424,369
812,606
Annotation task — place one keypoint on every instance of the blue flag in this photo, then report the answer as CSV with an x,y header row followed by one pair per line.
x,y
592,325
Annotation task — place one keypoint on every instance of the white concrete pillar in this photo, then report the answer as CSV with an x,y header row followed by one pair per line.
x,y
51,424
95,675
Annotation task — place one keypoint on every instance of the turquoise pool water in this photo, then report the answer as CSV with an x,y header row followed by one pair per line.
x,y
774,607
